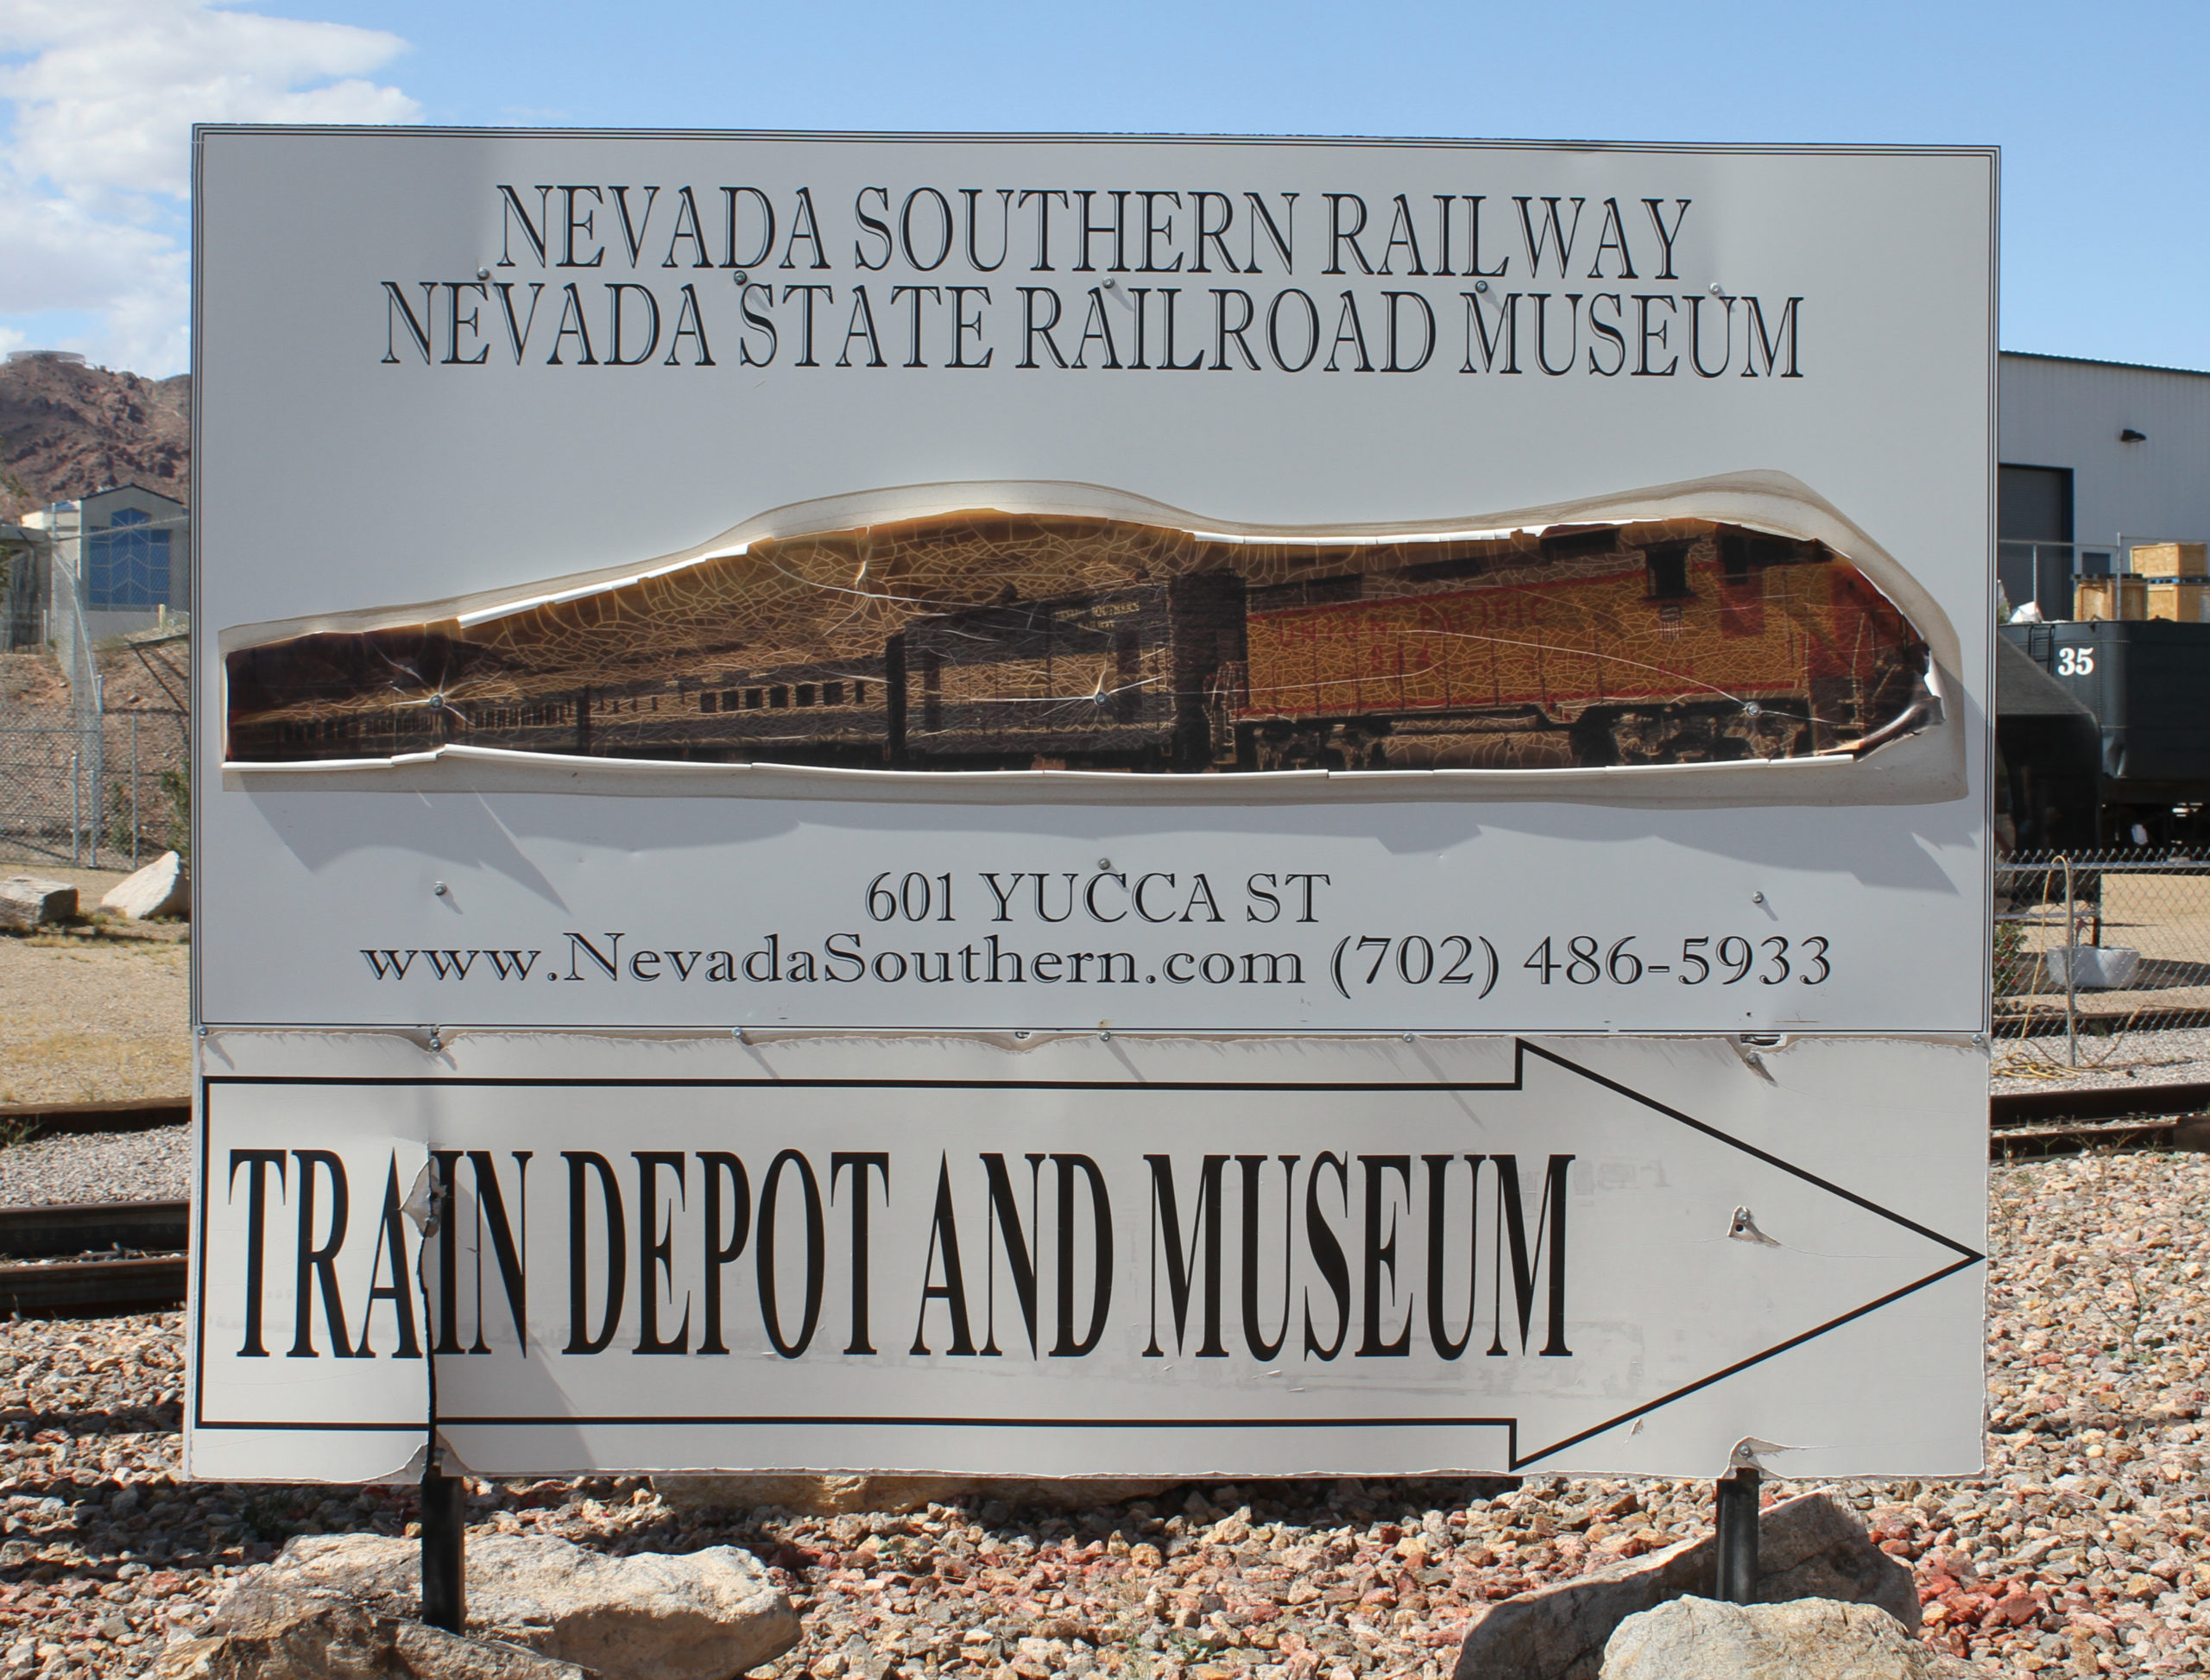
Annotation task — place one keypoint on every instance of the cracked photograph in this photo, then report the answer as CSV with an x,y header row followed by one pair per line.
x,y
992,641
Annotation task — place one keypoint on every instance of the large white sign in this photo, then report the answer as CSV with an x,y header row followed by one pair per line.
x,y
992,662
1164,657
1259,1257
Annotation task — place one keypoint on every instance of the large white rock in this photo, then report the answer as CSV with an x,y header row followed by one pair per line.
x,y
1810,1547
703,1615
27,900
266,1631
1806,1639
162,889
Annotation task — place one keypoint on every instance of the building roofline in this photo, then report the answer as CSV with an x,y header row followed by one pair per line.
x,y
129,484
2101,362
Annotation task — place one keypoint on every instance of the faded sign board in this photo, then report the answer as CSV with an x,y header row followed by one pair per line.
x,y
665,595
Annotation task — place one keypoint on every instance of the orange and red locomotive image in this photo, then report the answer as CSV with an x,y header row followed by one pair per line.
x,y
991,642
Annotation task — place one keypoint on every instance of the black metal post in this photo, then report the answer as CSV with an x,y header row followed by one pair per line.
x,y
445,1527
1737,1537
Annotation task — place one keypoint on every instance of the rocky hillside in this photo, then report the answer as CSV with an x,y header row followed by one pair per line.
x,y
68,430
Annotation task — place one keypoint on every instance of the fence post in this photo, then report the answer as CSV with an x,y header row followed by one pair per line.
x,y
134,790
76,813
2071,971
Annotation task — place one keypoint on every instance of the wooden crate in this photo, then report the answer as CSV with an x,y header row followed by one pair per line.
x,y
2169,559
2122,596
2181,600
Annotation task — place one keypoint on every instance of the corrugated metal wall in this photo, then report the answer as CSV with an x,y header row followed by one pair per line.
x,y
2056,413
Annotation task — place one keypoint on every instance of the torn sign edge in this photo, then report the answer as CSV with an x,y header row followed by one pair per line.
x,y
1924,766
374,1455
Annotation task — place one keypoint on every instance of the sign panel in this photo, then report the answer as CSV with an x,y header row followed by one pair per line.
x,y
723,655
1043,549
1256,1258
1102,921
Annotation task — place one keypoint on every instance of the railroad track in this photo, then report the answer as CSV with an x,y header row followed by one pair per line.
x,y
89,1258
2176,1117
86,1259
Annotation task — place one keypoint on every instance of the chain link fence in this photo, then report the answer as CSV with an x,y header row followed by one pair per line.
x,y
2095,949
110,796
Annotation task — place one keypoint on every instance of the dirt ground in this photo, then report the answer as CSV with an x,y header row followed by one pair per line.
x,y
2165,917
90,1017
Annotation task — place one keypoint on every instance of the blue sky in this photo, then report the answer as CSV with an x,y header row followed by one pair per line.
x,y
2100,110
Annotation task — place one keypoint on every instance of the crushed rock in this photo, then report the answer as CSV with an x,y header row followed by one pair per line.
x,y
2081,1550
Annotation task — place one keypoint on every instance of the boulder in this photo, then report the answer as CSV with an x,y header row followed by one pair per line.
x,y
704,1615
831,1495
162,889
1806,1639
263,1631
1812,1546
27,900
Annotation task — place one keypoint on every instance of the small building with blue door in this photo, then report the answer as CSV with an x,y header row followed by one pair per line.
x,y
123,556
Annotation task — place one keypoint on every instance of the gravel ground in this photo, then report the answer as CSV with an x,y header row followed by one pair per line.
x,y
90,1018
98,1166
2078,1552
2174,1058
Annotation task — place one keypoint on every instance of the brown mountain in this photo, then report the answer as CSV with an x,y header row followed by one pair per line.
x,y
68,430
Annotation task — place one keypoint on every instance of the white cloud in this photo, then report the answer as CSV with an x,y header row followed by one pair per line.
x,y
95,167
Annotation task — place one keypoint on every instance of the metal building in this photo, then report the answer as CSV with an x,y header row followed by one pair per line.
x,y
2103,515
2096,457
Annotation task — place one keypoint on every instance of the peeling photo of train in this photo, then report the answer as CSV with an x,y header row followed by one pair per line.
x,y
995,642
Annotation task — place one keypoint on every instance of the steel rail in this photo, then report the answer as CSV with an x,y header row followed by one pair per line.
x,y
92,1287
92,1257
88,1227
2008,1109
